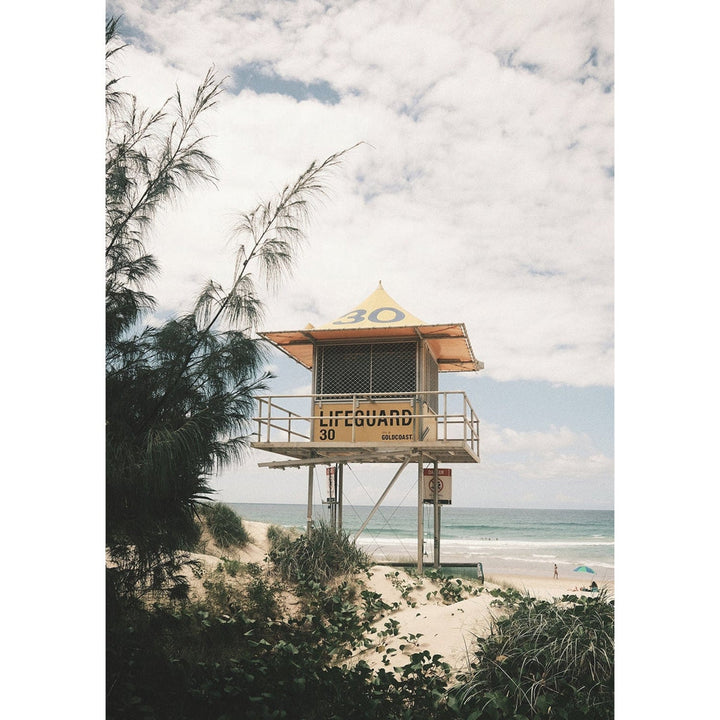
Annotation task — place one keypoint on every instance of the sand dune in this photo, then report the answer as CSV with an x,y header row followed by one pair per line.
x,y
425,621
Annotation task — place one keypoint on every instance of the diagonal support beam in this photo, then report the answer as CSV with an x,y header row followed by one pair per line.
x,y
383,496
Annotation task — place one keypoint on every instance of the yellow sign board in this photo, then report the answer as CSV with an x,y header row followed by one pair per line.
x,y
367,422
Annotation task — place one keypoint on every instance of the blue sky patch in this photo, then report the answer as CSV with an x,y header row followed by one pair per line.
x,y
131,33
593,58
541,273
263,80
507,59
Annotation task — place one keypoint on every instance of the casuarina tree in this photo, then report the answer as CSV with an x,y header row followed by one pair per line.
x,y
179,395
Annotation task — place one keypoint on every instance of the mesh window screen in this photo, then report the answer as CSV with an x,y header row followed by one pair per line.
x,y
345,369
381,367
393,367
431,379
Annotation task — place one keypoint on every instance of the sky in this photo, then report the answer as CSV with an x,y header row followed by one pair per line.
x,y
482,193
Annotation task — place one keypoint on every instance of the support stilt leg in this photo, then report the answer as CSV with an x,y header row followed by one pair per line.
x,y
420,518
311,471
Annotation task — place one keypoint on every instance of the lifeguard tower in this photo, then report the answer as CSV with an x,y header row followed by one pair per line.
x,y
375,399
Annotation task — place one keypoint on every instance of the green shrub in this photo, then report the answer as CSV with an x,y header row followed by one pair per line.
x,y
225,525
277,534
545,659
325,554
191,661
235,587
405,586
221,596
260,598
451,589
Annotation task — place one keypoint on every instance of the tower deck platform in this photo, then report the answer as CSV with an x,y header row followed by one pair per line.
x,y
447,451
367,428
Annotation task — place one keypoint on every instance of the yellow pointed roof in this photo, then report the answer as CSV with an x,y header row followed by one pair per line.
x,y
379,316
377,310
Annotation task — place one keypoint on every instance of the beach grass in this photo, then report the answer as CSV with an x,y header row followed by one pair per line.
x,y
225,525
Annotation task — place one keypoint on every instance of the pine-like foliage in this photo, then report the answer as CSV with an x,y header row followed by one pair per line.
x,y
179,397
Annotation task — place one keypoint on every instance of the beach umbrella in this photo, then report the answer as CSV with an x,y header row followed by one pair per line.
x,y
584,568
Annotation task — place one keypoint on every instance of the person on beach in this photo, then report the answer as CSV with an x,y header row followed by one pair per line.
x,y
555,573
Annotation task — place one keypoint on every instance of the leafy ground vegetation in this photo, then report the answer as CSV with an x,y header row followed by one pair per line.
x,y
241,652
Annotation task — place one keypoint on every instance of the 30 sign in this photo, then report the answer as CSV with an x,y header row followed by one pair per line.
x,y
381,316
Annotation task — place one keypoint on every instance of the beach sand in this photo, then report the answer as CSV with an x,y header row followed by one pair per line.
x,y
425,620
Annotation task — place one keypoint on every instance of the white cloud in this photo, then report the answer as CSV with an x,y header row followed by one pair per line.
x,y
487,184
555,453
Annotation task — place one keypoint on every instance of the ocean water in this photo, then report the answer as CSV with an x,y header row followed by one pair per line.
x,y
504,540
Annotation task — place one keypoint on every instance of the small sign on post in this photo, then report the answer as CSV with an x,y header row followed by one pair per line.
x,y
331,484
444,486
